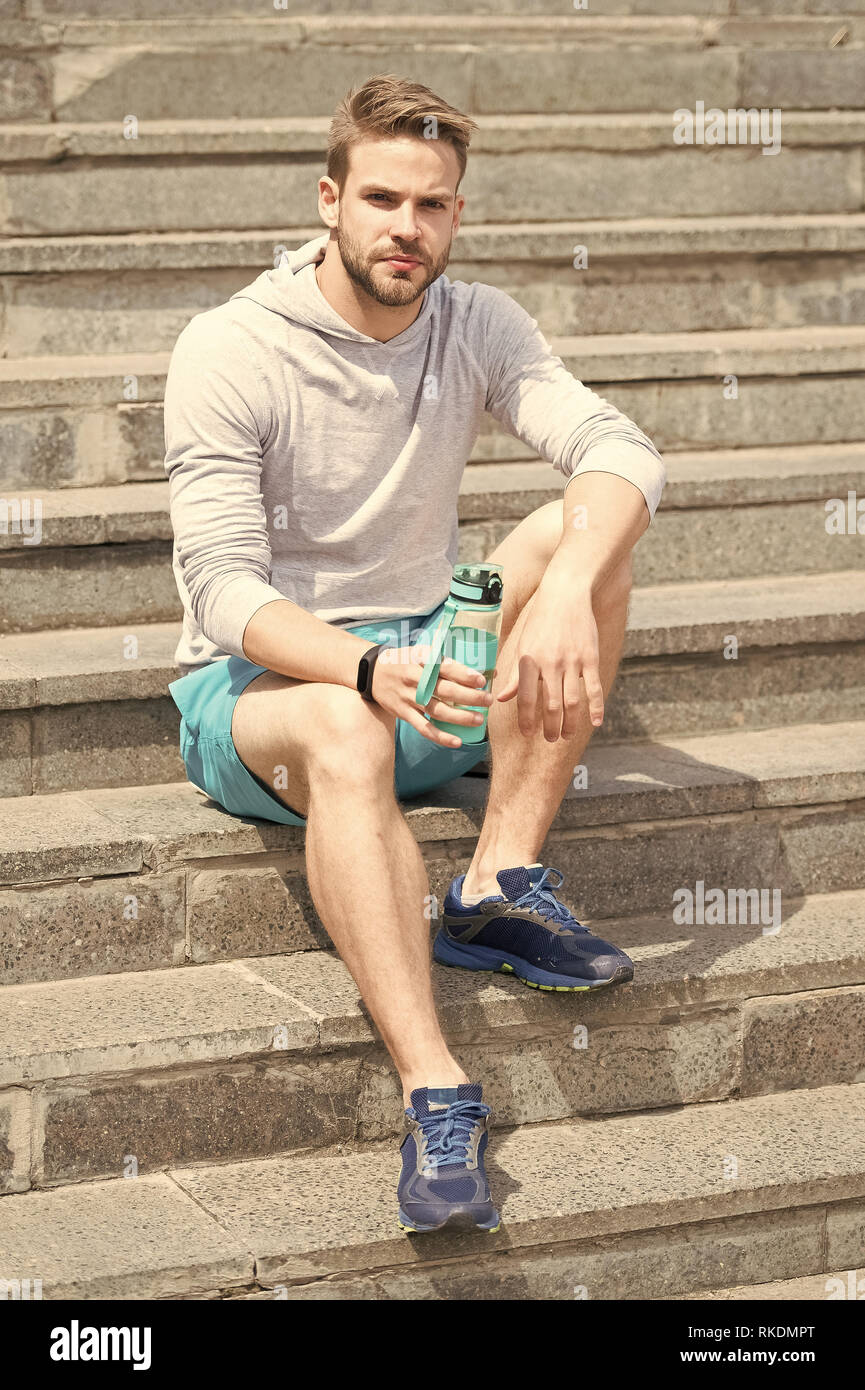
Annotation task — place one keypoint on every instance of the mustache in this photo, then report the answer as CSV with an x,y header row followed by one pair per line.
x,y
400,251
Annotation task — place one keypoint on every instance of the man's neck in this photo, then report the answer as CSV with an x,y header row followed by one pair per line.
x,y
379,321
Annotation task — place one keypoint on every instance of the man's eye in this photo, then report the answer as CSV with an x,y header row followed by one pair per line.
x,y
432,204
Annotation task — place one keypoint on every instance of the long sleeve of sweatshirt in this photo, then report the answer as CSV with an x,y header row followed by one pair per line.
x,y
532,393
216,414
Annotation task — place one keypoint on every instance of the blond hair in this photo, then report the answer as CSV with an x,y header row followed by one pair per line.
x,y
388,106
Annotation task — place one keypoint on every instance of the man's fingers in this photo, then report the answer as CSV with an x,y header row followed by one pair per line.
x,y
595,693
573,696
430,731
528,711
551,697
451,714
463,675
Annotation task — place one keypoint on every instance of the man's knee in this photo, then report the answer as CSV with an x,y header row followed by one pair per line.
x,y
351,736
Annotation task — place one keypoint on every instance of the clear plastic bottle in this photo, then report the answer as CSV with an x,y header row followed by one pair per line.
x,y
468,631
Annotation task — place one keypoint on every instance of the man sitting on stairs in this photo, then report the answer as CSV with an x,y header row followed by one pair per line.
x,y
317,426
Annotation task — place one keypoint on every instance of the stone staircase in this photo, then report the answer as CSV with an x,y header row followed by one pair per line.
x,y
193,1101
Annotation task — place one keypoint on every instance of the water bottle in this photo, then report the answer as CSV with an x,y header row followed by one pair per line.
x,y
468,631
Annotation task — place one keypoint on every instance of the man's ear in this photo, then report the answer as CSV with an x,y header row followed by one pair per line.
x,y
328,201
459,204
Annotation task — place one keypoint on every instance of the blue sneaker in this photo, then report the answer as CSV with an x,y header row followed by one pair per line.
x,y
443,1178
526,931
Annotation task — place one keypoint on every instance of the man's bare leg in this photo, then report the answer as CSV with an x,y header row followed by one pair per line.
x,y
529,776
365,870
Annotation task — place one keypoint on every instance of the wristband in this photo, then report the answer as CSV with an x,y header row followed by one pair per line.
x,y
365,668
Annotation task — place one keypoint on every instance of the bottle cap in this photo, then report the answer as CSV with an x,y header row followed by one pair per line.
x,y
481,584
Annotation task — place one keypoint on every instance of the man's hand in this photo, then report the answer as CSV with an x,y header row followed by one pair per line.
x,y
395,680
557,644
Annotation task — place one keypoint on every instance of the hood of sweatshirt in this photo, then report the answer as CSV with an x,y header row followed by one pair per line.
x,y
291,290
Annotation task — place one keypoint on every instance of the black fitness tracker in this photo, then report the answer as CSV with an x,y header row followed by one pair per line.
x,y
365,668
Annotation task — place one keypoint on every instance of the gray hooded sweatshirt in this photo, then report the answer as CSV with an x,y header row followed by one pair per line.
x,y
308,461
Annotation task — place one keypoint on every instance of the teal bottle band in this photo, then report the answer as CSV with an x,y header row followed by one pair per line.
x,y
427,682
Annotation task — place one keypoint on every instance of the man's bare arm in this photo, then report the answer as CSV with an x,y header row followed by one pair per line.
x,y
603,518
286,638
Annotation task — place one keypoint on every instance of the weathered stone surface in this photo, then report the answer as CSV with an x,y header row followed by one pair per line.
x,y
767,412
242,910
106,745
845,1236
783,610
144,310
650,1265
831,761
568,78
507,187
689,545
54,588
761,689
91,927
822,852
812,1039
639,1067
815,1288
131,661
100,515
623,870
25,89
14,1142
821,944
834,78
322,985
177,84
120,312
66,838
498,188
568,1181
177,823
141,1238
653,1265
56,448
15,772
144,1020
194,1116
504,250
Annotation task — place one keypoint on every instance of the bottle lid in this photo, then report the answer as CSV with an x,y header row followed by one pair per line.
x,y
481,584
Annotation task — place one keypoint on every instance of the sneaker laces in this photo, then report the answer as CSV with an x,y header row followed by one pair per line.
x,y
543,900
448,1132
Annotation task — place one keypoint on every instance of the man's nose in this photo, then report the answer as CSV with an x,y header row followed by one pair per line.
x,y
404,224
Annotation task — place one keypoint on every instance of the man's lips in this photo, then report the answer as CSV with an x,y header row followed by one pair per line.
x,y
403,261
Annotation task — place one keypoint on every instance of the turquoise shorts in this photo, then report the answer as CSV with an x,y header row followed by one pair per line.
x,y
206,700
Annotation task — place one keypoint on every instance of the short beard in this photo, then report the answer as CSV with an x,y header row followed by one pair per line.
x,y
399,289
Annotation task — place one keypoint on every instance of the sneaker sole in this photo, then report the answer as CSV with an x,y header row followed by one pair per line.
x,y
460,1220
484,958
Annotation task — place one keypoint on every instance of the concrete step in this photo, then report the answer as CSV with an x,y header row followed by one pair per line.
x,y
812,1288
60,10
234,1060
68,295
186,175
132,878
642,1206
94,420
80,707
187,67
102,555
337,30
573,132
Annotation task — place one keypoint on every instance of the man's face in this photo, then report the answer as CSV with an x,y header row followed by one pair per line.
x,y
398,211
